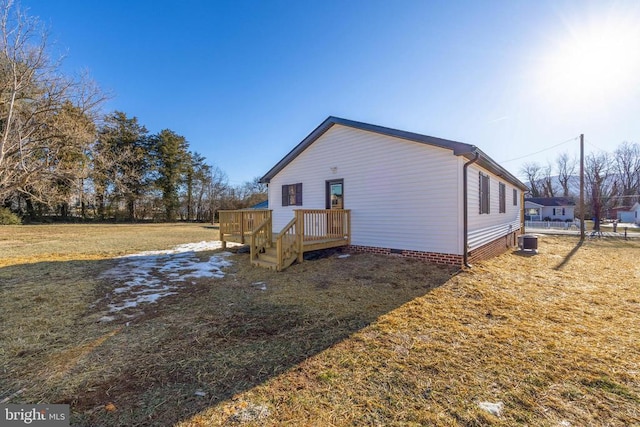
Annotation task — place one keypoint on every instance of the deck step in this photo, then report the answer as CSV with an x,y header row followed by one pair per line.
x,y
264,264
269,255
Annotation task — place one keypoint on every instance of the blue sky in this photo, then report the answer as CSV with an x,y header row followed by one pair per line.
x,y
245,81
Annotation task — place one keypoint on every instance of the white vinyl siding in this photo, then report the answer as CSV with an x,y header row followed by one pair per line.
x,y
562,213
402,194
485,228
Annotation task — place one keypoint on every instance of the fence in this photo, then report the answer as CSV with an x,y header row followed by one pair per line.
x,y
555,225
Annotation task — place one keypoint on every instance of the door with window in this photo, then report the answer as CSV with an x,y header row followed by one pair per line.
x,y
335,200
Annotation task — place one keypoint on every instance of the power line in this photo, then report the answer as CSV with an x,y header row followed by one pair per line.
x,y
541,151
595,146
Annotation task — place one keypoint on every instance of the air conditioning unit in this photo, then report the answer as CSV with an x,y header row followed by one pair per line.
x,y
528,242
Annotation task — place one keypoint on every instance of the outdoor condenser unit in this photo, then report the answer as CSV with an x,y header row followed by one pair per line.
x,y
528,242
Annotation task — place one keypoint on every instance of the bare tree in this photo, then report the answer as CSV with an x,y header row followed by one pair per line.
x,y
533,171
42,112
218,187
601,185
626,164
252,192
566,170
548,189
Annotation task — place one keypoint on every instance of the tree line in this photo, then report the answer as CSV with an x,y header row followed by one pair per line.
x,y
61,156
612,180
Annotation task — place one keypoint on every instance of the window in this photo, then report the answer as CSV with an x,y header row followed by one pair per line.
x,y
502,197
335,194
484,193
292,195
515,197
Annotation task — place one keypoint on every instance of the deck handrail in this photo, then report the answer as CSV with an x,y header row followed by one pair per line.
x,y
260,238
287,245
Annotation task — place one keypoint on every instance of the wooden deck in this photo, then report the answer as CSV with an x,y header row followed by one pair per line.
x,y
309,230
237,226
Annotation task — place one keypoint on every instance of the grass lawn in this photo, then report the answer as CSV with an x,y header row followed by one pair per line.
x,y
550,339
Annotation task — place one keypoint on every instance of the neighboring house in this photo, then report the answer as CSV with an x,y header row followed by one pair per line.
x,y
406,192
549,208
636,213
622,214
261,205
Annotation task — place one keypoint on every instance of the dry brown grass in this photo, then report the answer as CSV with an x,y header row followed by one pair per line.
x,y
365,340
62,242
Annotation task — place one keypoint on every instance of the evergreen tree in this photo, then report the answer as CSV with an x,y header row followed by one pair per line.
x,y
172,159
121,163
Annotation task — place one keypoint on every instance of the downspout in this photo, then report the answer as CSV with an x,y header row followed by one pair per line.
x,y
465,203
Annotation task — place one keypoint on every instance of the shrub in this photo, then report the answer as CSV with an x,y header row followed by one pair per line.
x,y
9,218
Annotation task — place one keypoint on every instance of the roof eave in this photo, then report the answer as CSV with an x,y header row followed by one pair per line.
x,y
489,164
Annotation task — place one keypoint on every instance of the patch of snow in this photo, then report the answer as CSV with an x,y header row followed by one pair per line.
x,y
344,256
187,247
105,319
564,423
492,408
148,276
260,285
200,393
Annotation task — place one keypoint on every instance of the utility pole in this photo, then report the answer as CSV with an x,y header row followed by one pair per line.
x,y
581,187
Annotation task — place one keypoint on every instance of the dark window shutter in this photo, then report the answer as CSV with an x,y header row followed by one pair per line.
x,y
285,195
480,192
486,178
484,193
299,194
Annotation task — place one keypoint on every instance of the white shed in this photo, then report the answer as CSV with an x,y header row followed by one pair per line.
x,y
406,192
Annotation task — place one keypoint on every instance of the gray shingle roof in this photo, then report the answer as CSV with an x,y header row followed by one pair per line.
x,y
551,201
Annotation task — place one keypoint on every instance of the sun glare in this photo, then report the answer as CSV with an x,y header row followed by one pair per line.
x,y
596,63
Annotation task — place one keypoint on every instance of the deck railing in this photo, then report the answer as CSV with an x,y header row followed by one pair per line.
x,y
236,225
288,247
310,229
324,224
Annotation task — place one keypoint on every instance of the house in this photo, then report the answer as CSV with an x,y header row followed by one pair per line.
x,y
549,208
381,190
635,210
262,205
622,214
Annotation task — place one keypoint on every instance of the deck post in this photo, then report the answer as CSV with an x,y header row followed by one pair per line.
x,y
242,227
279,260
300,234
348,230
